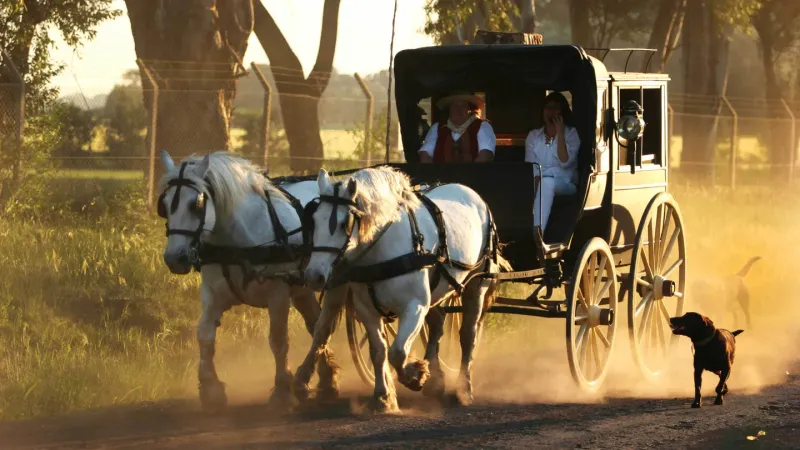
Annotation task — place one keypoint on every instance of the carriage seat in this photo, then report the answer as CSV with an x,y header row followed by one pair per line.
x,y
509,147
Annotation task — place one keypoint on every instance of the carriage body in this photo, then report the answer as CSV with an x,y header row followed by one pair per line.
x,y
514,80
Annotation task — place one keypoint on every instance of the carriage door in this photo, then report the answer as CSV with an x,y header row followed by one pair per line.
x,y
637,179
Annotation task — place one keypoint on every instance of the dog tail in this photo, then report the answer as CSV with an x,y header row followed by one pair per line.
x,y
737,332
746,269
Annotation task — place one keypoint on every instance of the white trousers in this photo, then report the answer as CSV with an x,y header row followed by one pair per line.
x,y
550,187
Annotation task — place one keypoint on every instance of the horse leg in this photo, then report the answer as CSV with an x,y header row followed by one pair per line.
x,y
436,385
278,304
472,301
321,325
211,389
413,374
384,397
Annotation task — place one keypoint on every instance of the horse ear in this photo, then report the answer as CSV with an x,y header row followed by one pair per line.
x,y
167,161
352,187
322,180
202,168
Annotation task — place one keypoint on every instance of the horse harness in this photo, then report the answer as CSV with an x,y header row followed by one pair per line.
x,y
418,259
205,254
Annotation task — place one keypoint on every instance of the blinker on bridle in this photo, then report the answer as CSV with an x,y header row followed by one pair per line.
x,y
354,215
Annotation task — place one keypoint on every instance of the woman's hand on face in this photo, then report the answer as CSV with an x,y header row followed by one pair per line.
x,y
558,121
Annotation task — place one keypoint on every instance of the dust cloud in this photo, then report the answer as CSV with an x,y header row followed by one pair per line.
x,y
524,359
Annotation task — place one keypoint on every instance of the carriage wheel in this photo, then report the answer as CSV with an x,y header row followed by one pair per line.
x,y
450,344
591,311
656,284
359,343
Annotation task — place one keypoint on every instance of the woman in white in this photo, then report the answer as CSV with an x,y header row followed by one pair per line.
x,y
554,146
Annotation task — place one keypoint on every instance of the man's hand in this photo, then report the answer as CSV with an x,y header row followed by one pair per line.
x,y
484,156
424,157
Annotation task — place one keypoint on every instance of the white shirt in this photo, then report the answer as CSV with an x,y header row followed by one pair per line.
x,y
486,138
537,150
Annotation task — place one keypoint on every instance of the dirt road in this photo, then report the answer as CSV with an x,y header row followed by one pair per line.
x,y
615,423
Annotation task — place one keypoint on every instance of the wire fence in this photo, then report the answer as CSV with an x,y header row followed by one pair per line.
x,y
751,141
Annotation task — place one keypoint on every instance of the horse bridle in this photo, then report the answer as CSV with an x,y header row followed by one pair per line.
x,y
354,217
199,206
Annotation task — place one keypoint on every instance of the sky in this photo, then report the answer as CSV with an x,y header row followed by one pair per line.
x,y
365,30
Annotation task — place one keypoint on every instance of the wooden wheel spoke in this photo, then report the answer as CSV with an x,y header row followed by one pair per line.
x,y
586,281
672,240
647,267
657,243
643,303
583,352
596,355
601,269
582,298
650,254
363,341
580,320
604,340
664,313
659,326
581,334
645,319
604,290
674,266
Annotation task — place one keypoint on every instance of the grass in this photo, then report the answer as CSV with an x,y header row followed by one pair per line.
x,y
90,317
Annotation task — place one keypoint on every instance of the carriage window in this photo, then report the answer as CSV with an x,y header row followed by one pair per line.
x,y
651,100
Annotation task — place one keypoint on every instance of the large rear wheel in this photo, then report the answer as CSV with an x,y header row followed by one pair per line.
x,y
656,284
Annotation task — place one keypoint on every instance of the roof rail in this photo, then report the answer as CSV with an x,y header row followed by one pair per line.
x,y
631,50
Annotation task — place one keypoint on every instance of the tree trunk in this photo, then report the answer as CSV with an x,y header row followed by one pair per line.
x,y
580,25
668,20
299,97
527,9
193,48
697,156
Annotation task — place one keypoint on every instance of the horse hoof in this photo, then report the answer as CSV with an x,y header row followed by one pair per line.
x,y
328,394
465,398
417,375
695,404
383,405
718,401
301,392
212,396
281,399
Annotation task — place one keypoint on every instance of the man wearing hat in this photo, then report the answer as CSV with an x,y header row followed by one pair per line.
x,y
465,137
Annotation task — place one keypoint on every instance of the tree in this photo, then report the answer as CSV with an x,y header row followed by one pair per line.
x,y
76,128
778,26
24,37
666,31
194,49
456,21
708,27
300,96
126,118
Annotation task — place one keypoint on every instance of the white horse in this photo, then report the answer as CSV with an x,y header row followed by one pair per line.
x,y
364,221
223,207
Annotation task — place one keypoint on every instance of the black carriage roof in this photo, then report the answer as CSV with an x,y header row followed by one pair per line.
x,y
425,71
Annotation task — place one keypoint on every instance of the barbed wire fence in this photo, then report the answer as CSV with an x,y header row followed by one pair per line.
x,y
755,139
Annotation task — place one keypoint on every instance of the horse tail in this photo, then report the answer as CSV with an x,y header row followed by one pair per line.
x,y
746,269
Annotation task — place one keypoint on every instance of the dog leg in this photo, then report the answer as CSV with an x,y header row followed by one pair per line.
x,y
722,387
698,382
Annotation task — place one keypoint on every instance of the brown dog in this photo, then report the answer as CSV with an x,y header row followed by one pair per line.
x,y
714,350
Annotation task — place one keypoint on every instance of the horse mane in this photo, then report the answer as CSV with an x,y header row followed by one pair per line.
x,y
231,177
382,192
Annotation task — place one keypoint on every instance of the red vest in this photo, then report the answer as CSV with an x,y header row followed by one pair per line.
x,y
464,150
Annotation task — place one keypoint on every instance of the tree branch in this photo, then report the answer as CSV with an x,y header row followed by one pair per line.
x,y
276,47
321,73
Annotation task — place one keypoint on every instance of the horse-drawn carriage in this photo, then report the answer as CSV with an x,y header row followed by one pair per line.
x,y
620,238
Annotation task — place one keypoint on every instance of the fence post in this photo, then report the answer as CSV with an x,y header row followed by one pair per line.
x,y
17,169
368,121
151,160
734,140
265,115
793,142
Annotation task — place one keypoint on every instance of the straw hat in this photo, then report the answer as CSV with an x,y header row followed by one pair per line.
x,y
445,102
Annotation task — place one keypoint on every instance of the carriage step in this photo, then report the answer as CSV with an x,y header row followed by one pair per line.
x,y
546,304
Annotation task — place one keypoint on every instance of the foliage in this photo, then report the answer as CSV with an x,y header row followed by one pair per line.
x,y
126,118
375,146
76,128
445,19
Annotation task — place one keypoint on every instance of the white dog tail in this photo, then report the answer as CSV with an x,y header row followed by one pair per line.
x,y
746,269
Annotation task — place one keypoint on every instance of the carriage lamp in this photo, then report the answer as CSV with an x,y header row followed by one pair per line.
x,y
631,125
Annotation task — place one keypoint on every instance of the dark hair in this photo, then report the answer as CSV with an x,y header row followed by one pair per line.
x,y
559,98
